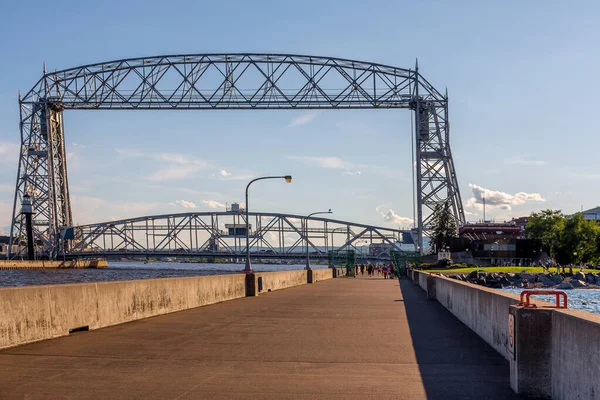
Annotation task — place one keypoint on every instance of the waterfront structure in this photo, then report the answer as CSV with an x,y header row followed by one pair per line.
x,y
221,81
222,235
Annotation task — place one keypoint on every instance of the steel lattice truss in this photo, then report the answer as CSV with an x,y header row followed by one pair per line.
x,y
220,81
205,234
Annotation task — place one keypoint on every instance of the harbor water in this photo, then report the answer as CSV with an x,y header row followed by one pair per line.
x,y
122,271
578,299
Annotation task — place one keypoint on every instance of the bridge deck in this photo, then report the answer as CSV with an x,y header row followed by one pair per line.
x,y
343,338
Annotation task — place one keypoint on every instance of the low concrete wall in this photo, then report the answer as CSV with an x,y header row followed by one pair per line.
x,y
33,313
575,355
483,310
555,352
281,279
36,264
322,274
422,280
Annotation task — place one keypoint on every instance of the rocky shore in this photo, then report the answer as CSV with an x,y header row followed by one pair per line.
x,y
501,280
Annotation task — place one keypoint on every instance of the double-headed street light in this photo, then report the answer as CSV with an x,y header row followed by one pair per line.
x,y
288,179
307,242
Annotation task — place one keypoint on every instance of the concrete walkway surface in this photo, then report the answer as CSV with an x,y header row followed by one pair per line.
x,y
363,338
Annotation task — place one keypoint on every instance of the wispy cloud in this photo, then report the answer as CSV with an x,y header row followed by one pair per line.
x,y
213,204
178,166
350,168
322,162
9,153
234,175
185,204
88,209
498,199
173,173
130,153
525,160
303,119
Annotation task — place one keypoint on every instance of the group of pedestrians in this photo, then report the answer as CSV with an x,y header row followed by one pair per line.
x,y
387,270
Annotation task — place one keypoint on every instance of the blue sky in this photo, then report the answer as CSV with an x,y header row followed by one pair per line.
x,y
520,74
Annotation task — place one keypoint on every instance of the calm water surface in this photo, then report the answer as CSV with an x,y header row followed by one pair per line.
x,y
579,299
121,271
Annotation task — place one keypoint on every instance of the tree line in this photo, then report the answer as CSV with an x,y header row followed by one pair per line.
x,y
567,239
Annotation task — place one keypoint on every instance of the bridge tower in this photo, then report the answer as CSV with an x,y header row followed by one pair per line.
x,y
42,175
436,181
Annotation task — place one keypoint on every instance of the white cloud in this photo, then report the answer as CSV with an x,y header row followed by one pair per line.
x,y
130,153
525,160
303,119
235,175
9,153
501,200
173,173
179,166
213,204
87,209
185,204
391,217
322,162
348,167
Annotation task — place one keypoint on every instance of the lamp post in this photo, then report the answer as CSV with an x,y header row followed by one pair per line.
x,y
307,255
333,247
288,179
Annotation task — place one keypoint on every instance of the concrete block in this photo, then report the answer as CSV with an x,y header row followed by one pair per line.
x,y
531,363
251,285
24,315
282,279
321,275
72,306
431,287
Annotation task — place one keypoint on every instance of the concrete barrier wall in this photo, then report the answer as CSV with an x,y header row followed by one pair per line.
x,y
322,274
422,280
556,351
483,310
29,314
282,279
575,355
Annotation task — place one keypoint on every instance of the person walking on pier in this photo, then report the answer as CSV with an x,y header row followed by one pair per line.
x,y
384,270
362,269
370,270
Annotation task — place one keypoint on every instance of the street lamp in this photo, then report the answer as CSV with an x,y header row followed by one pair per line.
x,y
288,179
310,215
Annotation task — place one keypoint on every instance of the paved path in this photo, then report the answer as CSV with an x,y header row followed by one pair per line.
x,y
337,339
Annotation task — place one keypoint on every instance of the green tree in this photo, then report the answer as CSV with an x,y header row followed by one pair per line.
x,y
579,241
547,226
443,225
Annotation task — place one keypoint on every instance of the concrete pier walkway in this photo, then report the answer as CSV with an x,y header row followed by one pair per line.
x,y
337,339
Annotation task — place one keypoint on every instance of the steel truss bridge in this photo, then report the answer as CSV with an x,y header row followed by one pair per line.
x,y
214,235
220,82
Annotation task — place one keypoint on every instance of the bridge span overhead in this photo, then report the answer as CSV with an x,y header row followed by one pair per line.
x,y
222,235
220,82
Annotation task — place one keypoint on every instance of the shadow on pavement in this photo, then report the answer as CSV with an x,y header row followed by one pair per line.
x,y
453,361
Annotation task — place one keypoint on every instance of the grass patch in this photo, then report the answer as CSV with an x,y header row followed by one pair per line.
x,y
532,270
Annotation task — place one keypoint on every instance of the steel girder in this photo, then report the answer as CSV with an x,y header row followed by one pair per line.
x,y
203,234
217,82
